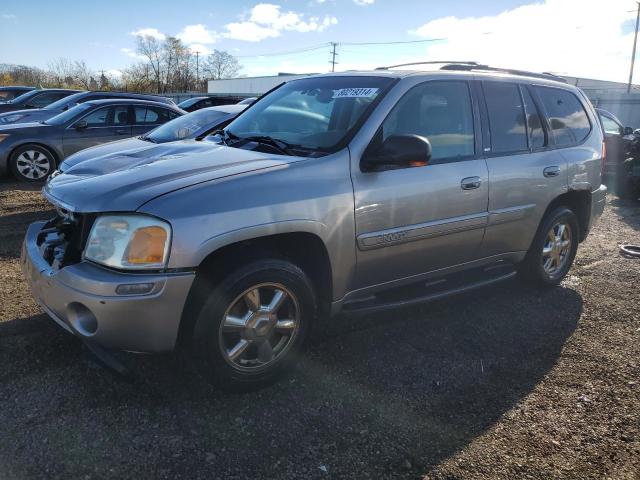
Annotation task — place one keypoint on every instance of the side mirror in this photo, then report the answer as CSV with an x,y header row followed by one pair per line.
x,y
627,131
398,151
81,125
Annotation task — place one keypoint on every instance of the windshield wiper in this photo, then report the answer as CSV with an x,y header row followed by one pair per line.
x,y
276,143
224,134
146,139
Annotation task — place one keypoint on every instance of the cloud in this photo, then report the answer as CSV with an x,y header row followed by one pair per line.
x,y
149,32
266,20
199,33
9,16
113,73
202,50
129,52
363,2
569,37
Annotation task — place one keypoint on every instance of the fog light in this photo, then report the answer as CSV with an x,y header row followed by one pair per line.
x,y
134,288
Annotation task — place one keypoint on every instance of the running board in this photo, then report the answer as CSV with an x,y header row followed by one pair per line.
x,y
433,289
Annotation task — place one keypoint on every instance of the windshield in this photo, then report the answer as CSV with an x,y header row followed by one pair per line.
x,y
24,97
316,114
186,126
70,114
63,102
187,103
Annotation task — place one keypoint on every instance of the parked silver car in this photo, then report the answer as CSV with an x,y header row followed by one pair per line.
x,y
341,192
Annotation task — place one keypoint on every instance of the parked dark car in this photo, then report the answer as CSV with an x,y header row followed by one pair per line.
x,y
32,150
36,99
194,125
617,139
196,103
9,93
53,109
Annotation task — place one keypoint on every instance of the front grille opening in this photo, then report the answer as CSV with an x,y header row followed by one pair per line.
x,y
63,238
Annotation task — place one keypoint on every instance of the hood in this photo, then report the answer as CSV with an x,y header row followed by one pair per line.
x,y
126,148
29,115
124,182
31,128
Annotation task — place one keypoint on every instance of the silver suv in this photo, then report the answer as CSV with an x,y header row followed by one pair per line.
x,y
334,193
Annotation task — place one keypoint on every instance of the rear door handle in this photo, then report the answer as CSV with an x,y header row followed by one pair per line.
x,y
551,171
470,183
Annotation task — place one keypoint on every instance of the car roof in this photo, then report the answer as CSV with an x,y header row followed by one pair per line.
x,y
448,69
126,101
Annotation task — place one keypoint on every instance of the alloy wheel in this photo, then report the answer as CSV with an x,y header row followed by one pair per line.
x,y
556,249
259,327
33,164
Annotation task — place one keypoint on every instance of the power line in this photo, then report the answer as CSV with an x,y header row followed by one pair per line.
x,y
288,52
395,43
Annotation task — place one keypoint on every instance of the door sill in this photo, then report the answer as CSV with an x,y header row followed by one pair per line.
x,y
432,289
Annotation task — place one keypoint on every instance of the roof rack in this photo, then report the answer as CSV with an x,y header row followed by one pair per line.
x,y
475,66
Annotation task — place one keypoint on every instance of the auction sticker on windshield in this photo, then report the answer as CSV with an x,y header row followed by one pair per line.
x,y
355,93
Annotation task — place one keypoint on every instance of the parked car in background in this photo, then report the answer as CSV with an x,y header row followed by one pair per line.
x,y
618,140
349,192
196,103
194,125
35,99
31,151
9,93
53,109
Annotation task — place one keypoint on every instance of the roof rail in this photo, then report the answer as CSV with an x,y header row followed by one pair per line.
x,y
487,68
434,62
475,66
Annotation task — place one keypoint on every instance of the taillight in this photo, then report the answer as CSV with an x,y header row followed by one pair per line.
x,y
604,158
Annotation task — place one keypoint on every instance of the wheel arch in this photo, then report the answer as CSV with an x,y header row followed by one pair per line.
x,y
579,201
56,155
304,248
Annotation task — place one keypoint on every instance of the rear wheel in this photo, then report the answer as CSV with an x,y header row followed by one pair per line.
x,y
250,328
31,163
553,249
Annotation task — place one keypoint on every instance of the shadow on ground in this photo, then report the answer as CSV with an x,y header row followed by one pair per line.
x,y
390,395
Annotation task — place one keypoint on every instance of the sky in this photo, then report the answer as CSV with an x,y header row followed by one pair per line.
x,y
589,38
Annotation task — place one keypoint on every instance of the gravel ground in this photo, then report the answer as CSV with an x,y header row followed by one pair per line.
x,y
507,382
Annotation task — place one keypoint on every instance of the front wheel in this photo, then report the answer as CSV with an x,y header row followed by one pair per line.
x,y
553,249
31,163
253,324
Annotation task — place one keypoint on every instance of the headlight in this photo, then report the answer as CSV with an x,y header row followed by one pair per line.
x,y
129,242
12,118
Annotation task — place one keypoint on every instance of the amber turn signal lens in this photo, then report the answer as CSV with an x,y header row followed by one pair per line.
x,y
147,246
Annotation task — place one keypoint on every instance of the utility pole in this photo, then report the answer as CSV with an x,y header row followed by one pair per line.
x,y
633,55
197,71
333,55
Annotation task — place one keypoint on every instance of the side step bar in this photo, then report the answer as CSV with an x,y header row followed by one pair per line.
x,y
433,289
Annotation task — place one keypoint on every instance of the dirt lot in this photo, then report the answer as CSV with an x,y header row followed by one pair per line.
x,y
505,383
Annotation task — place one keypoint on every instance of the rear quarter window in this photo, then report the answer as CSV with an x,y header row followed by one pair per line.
x,y
567,117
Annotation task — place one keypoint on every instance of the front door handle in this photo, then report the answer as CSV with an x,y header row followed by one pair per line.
x,y
470,183
551,171
122,131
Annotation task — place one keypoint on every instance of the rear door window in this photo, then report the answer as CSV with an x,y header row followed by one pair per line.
x,y
567,117
506,117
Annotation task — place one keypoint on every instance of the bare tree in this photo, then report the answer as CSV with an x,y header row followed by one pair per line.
x,y
151,48
221,64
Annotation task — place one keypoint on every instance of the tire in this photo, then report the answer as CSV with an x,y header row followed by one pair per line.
x,y
239,350
31,163
546,262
